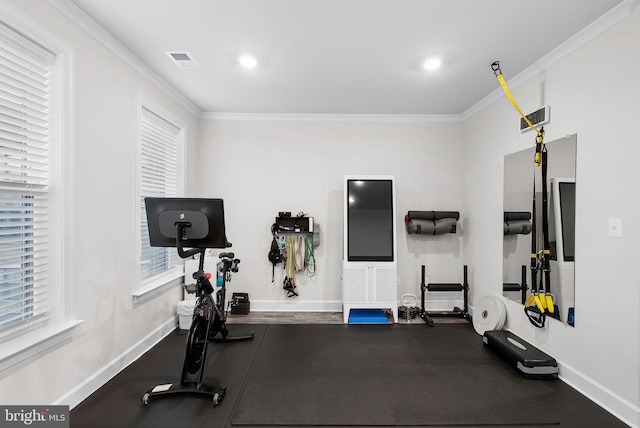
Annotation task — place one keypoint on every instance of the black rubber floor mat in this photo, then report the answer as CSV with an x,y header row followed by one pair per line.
x,y
387,375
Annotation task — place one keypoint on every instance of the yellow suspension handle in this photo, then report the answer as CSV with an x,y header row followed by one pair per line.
x,y
546,299
543,301
550,306
537,299
530,299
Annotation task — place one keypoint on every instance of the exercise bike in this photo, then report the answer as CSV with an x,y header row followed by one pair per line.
x,y
209,320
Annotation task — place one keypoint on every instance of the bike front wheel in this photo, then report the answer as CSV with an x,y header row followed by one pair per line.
x,y
196,344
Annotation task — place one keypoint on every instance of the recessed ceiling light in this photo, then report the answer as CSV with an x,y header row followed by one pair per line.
x,y
248,61
431,64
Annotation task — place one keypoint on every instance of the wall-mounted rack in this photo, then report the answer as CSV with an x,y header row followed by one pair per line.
x,y
289,224
294,240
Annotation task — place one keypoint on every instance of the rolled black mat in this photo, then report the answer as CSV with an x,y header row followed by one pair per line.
x,y
432,215
516,215
431,227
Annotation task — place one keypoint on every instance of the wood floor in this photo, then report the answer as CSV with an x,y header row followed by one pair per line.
x,y
286,318
313,318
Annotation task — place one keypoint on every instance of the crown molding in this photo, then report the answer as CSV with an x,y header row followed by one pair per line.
x,y
84,21
334,117
590,32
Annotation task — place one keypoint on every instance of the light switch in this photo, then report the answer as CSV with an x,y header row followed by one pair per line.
x,y
615,227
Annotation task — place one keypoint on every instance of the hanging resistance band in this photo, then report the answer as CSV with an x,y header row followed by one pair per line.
x,y
289,284
309,257
540,297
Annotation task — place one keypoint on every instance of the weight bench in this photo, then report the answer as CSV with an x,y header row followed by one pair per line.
x,y
456,312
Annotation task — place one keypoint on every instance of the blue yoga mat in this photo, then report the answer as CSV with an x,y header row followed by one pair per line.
x,y
367,316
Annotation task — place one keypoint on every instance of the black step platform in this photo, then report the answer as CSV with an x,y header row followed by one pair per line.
x,y
529,360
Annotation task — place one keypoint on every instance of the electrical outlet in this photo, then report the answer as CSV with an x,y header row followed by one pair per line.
x,y
615,227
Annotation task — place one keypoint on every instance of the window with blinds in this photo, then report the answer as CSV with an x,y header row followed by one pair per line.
x,y
160,145
25,97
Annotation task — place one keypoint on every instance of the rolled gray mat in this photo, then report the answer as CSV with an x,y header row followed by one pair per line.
x,y
517,227
431,227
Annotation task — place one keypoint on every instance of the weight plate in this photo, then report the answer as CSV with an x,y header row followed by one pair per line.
x,y
489,314
407,311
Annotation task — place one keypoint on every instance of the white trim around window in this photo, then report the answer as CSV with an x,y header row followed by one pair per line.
x,y
146,288
58,325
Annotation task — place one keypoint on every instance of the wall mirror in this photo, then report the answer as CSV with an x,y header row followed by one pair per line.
x,y
519,173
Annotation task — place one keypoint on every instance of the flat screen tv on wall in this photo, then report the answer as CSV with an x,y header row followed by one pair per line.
x,y
370,220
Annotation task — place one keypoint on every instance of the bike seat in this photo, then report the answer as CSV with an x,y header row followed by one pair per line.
x,y
226,255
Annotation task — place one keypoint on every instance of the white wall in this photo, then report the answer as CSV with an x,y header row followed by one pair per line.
x,y
592,92
105,239
262,167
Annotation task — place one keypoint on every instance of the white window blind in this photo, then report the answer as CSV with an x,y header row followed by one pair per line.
x,y
24,178
159,157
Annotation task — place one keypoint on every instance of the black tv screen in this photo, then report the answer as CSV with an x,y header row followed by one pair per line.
x,y
204,216
370,220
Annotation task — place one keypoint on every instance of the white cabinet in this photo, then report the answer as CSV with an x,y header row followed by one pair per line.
x,y
369,286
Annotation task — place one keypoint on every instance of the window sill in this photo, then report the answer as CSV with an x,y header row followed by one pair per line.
x,y
155,288
29,344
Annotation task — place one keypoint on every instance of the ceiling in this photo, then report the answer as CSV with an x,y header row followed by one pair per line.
x,y
341,56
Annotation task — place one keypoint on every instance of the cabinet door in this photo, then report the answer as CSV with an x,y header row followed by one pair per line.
x,y
354,284
384,284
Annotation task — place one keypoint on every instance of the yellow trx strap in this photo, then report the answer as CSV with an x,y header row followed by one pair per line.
x,y
496,70
543,301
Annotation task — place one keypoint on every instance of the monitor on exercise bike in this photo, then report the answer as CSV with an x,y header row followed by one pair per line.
x,y
197,223
203,217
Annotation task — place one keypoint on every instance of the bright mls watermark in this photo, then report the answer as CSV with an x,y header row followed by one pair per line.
x,y
34,416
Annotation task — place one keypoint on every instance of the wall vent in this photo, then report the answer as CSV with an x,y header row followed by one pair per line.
x,y
538,117
183,60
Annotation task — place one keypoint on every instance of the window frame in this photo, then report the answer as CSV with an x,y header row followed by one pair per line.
x,y
145,289
32,338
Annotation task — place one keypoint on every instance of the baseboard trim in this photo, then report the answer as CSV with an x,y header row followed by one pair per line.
x,y
76,395
295,305
622,409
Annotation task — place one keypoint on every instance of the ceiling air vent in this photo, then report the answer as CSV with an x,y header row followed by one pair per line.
x,y
538,117
183,60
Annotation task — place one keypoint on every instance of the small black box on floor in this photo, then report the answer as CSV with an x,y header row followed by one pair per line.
x,y
529,360
240,304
